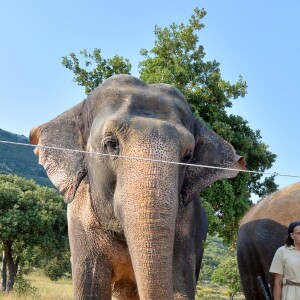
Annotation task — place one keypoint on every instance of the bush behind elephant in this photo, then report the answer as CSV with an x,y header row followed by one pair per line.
x,y
135,225
262,231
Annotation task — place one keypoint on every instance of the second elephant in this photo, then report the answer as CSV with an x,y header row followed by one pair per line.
x,y
262,231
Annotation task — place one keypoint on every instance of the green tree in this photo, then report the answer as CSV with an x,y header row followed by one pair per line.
x,y
215,251
178,59
90,77
227,274
30,216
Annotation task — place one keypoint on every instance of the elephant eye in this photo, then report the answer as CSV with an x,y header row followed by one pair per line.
x,y
111,145
187,156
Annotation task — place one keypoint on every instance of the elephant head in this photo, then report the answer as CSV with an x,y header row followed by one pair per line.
x,y
128,138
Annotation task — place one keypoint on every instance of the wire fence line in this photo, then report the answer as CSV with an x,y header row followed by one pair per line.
x,y
148,159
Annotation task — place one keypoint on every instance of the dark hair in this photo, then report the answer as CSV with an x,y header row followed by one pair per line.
x,y
289,240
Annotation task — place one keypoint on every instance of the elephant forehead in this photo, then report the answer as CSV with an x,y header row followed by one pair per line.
x,y
126,85
160,110
141,99
157,106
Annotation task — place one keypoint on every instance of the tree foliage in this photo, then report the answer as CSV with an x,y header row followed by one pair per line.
x,y
227,274
32,225
89,77
178,59
215,252
219,267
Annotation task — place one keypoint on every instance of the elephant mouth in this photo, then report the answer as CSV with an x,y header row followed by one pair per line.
x,y
241,163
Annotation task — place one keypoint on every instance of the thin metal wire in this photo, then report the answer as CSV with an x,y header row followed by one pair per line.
x,y
148,159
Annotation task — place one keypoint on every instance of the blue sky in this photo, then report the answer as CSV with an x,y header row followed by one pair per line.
x,y
258,39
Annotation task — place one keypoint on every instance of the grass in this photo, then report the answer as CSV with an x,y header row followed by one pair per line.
x,y
214,292
45,289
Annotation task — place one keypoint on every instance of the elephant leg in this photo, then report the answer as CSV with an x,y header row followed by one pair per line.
x,y
91,270
188,250
184,279
91,276
246,266
250,267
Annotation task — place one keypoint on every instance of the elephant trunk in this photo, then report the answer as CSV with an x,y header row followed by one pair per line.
x,y
148,213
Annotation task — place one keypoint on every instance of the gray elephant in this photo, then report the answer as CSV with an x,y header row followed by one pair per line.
x,y
262,231
135,224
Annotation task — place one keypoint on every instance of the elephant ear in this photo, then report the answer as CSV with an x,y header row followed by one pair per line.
x,y
65,168
210,150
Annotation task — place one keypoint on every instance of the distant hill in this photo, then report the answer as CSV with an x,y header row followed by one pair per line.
x,y
20,160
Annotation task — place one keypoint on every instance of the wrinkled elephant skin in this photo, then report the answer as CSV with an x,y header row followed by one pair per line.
x,y
135,225
262,231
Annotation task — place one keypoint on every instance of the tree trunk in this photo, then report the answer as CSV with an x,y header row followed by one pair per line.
x,y
11,267
17,259
3,273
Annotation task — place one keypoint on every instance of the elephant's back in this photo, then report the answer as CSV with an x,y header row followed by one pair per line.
x,y
282,206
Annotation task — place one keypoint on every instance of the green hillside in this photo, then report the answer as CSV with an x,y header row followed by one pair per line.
x,y
20,160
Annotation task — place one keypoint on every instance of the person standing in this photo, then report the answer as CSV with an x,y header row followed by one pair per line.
x,y
286,266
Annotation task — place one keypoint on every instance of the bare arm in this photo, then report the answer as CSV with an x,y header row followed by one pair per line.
x,y
277,286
